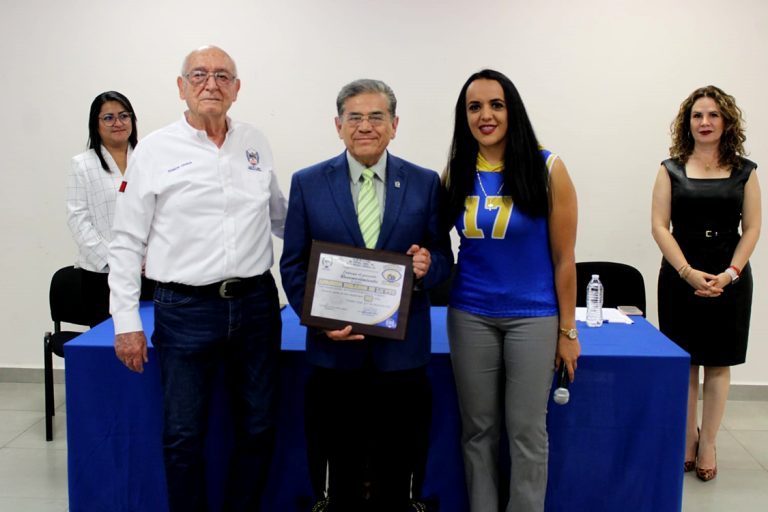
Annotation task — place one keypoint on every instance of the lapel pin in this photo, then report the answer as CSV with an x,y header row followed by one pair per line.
x,y
397,184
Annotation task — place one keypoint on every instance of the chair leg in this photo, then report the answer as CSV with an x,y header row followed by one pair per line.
x,y
49,400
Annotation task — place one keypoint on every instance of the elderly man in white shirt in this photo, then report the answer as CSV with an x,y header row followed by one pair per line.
x,y
201,197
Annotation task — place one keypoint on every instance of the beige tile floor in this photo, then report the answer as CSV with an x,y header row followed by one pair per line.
x,y
33,473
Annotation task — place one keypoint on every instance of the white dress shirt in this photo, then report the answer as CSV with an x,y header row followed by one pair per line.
x,y
379,180
203,213
91,194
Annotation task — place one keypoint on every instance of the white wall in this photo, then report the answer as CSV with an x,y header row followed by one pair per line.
x,y
602,79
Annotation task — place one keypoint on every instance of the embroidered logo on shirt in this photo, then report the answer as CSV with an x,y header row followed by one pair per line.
x,y
173,169
253,159
122,186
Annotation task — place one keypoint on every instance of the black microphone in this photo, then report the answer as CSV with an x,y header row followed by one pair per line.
x,y
561,394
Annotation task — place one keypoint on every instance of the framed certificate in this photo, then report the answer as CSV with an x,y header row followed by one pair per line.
x,y
365,288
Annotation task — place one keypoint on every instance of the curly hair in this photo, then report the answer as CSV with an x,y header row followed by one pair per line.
x,y
731,142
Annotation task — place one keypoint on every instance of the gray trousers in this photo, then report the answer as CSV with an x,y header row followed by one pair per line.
x,y
503,366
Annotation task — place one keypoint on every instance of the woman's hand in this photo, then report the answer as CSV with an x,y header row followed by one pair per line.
x,y
705,284
568,351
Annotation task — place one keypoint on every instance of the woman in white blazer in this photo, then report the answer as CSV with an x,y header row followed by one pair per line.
x,y
94,181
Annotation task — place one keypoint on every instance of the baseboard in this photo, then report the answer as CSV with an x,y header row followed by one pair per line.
x,y
749,392
29,375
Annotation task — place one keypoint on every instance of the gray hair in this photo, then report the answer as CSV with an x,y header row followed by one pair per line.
x,y
185,63
363,86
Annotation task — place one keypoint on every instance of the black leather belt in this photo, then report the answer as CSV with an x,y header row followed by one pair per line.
x,y
233,288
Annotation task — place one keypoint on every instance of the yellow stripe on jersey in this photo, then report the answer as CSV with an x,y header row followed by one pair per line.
x,y
550,157
483,165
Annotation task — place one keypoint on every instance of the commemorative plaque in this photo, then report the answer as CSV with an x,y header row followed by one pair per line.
x,y
365,288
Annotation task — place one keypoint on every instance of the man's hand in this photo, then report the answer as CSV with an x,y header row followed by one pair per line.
x,y
344,334
421,260
131,350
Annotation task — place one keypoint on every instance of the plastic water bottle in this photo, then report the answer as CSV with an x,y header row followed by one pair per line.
x,y
595,302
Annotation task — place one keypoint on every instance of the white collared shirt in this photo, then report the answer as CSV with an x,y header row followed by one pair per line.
x,y
91,194
204,213
379,180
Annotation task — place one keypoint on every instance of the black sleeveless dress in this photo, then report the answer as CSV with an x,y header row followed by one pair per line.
x,y
705,215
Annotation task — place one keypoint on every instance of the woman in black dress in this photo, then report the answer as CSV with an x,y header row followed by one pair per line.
x,y
705,190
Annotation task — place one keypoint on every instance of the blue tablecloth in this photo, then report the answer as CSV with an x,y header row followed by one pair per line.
x,y
617,446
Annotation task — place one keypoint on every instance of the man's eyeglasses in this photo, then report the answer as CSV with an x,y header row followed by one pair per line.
x,y
199,77
110,119
374,119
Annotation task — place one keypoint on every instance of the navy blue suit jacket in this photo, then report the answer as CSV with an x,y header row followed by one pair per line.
x,y
320,207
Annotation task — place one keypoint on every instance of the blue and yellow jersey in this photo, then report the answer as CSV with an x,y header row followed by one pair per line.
x,y
504,263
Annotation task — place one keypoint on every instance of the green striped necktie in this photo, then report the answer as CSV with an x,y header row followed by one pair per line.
x,y
368,210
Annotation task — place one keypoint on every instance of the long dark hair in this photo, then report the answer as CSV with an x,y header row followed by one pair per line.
x,y
731,142
94,138
525,172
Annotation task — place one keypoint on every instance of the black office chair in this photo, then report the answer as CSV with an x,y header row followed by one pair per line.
x,y
623,285
68,304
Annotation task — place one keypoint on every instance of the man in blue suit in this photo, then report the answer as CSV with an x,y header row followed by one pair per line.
x,y
368,399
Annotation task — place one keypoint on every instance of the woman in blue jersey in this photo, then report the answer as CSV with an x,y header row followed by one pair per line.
x,y
511,316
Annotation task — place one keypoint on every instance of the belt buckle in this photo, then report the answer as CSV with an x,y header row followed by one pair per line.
x,y
223,288
710,234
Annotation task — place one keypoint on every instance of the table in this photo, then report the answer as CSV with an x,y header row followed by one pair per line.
x,y
617,445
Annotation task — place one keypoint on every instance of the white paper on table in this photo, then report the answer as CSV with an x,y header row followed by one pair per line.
x,y
610,315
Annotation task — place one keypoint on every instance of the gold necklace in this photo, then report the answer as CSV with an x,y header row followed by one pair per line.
x,y
712,163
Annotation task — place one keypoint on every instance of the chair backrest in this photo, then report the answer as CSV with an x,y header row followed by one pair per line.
x,y
67,298
623,285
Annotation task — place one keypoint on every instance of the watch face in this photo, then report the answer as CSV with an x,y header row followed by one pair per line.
x,y
570,333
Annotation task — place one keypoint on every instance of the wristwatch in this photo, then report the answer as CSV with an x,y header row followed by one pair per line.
x,y
571,333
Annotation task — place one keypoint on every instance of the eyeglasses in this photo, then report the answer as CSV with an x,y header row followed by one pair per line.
x,y
199,77
110,119
374,119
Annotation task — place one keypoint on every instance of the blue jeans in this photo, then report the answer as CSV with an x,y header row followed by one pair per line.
x,y
195,335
